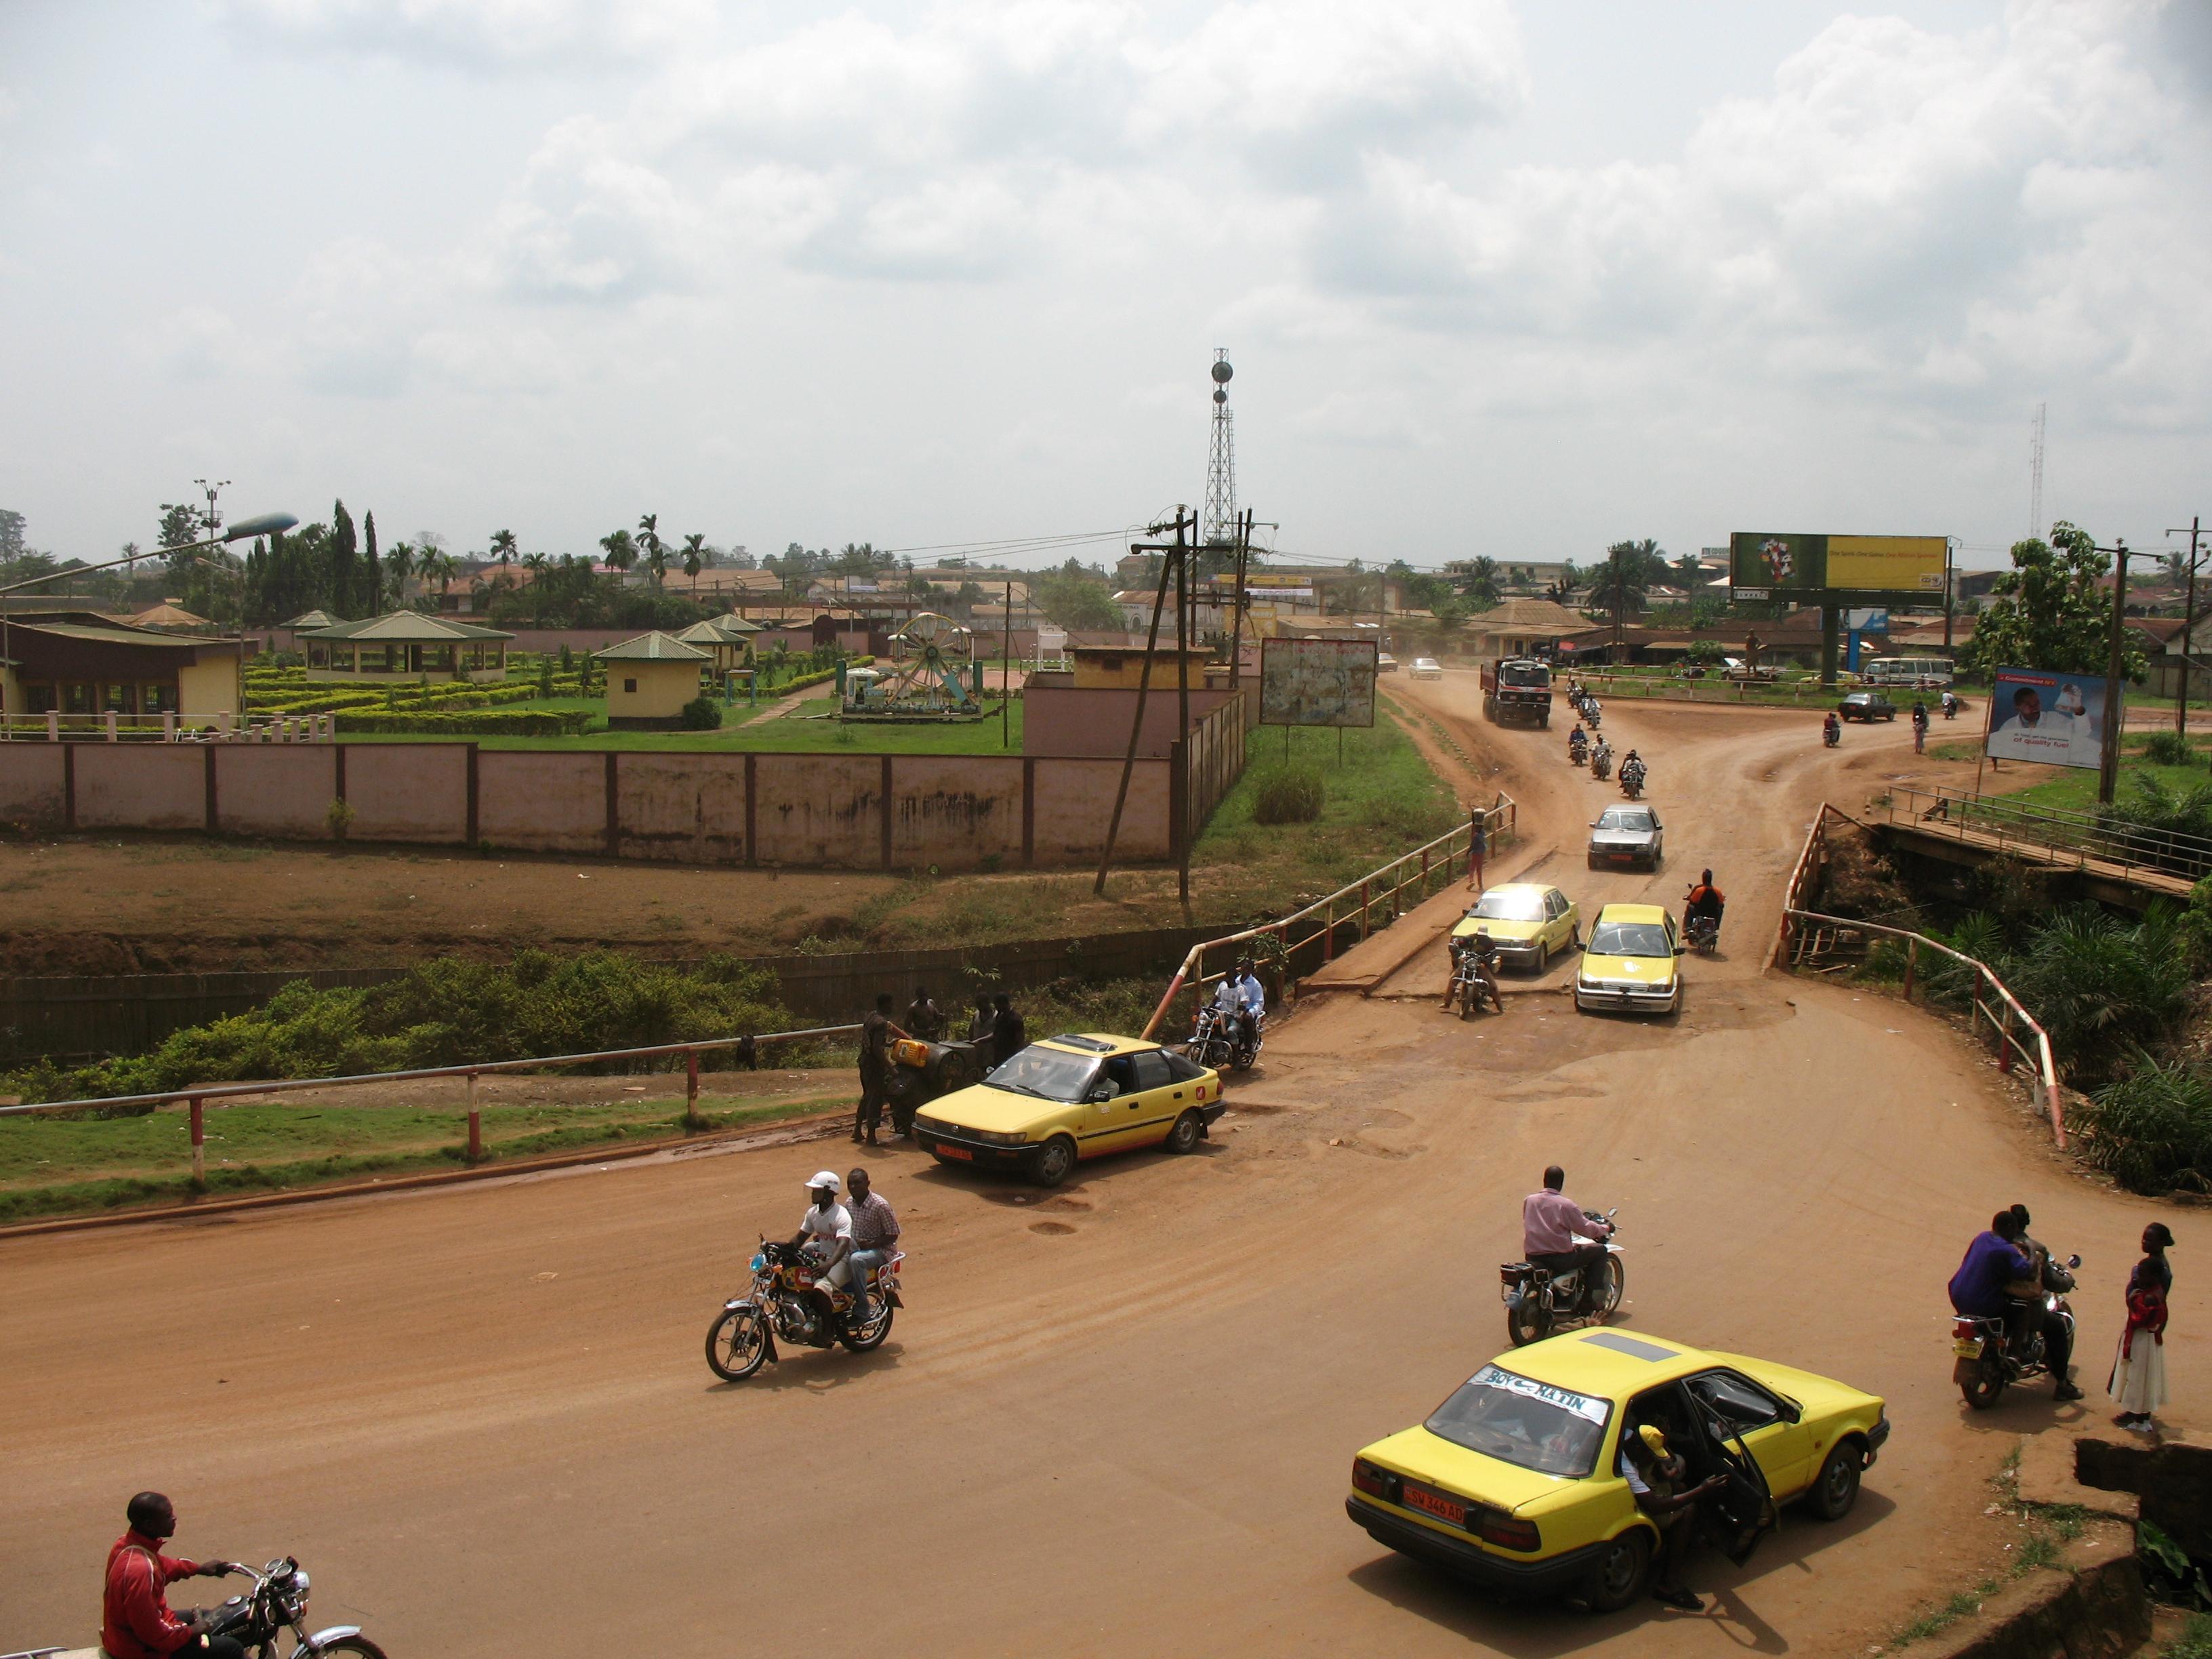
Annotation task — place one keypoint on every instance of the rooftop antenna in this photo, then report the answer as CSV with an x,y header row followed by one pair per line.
x,y
1220,525
2035,474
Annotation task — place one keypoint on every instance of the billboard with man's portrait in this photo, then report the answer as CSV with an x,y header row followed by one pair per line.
x,y
2058,719
1317,682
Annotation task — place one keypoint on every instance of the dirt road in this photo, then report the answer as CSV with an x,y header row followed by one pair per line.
x,y
1120,1419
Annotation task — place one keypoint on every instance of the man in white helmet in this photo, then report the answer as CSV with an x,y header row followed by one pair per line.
x,y
825,1233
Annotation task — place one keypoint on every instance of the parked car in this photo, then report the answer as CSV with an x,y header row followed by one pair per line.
x,y
1072,1097
1385,663
1427,668
1515,1481
1631,963
1867,705
1529,923
1627,835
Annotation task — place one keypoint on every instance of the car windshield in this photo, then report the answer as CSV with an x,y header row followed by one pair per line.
x,y
1630,938
1525,674
1625,818
1500,906
1047,1073
1533,1425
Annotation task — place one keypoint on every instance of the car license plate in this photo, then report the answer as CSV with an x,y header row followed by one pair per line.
x,y
1624,858
1436,1503
961,1152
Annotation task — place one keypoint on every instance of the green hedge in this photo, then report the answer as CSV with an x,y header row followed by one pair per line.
x,y
486,723
800,682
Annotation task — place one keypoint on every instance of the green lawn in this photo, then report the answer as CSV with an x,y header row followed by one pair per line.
x,y
57,1166
812,726
2074,789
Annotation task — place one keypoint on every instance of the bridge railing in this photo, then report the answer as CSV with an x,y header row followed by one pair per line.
x,y
2047,833
1375,900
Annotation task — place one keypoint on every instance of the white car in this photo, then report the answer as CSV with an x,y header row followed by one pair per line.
x,y
1385,663
1427,668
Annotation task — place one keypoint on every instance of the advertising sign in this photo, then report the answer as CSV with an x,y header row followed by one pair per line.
x,y
1317,681
2056,718
1826,569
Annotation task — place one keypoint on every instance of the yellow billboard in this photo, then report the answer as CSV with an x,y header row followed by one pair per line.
x,y
1888,564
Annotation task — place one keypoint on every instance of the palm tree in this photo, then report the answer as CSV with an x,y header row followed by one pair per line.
x,y
621,551
1479,582
1691,569
399,566
695,558
503,546
648,537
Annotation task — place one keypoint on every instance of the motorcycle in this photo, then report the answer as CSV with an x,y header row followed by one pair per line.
x,y
1985,1359
1248,1038
1210,1043
277,1604
1578,750
1950,708
1601,762
1632,781
785,1301
1704,933
1539,1302
1590,714
1469,989
1832,734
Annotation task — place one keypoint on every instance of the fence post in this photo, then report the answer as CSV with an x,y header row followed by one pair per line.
x,y
475,1124
111,725
1911,962
1328,933
199,1144
1424,873
53,725
691,1118
1363,906
2004,1039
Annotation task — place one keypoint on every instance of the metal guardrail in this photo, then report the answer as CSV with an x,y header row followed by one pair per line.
x,y
1799,939
196,1096
2053,835
1383,887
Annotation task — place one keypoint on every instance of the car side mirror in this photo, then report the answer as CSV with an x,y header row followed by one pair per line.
x,y
2073,1261
1100,1094
1682,950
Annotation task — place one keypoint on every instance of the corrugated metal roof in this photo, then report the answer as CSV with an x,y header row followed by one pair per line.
x,y
652,647
117,636
405,627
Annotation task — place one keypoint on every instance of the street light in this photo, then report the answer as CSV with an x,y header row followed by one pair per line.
x,y
268,523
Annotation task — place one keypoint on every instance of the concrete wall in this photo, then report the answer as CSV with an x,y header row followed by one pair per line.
x,y
1058,719
798,811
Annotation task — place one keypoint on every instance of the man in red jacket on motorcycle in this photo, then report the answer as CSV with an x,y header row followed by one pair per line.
x,y
135,1621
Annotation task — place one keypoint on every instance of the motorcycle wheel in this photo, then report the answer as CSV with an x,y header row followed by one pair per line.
x,y
358,1645
1468,999
870,1335
1526,1323
737,1345
1986,1387
1612,1290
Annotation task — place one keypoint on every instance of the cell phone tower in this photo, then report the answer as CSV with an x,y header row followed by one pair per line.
x,y
2035,527
1219,525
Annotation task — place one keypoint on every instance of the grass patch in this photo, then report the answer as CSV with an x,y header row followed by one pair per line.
x,y
2074,789
2195,1641
70,1166
807,732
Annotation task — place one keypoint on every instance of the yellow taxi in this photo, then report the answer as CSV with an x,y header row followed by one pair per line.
x,y
1072,1097
1528,922
1629,963
1515,1481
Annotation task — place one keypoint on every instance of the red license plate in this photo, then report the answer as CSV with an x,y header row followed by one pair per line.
x,y
961,1152
1624,858
1436,1503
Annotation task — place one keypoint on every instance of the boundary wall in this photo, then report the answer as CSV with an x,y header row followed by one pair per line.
x,y
773,810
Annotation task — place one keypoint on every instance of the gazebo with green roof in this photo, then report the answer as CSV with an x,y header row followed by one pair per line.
x,y
405,644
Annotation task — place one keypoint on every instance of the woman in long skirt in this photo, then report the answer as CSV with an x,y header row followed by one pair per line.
x,y
2138,1381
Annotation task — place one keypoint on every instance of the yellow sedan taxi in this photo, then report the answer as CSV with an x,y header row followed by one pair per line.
x,y
1515,1481
1529,923
1072,1097
1630,965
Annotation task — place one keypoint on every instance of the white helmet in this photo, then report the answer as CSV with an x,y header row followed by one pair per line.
x,y
826,1178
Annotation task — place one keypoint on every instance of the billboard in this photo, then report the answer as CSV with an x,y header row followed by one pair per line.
x,y
2057,719
1825,569
1317,682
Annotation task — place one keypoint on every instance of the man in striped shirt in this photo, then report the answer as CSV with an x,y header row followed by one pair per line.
x,y
875,1235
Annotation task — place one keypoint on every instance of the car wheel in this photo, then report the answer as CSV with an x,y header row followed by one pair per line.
x,y
1543,958
1053,1162
1183,1138
1836,1487
1618,1578
1594,863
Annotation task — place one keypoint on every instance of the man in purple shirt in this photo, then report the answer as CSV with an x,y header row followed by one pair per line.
x,y
1554,1231
1994,1261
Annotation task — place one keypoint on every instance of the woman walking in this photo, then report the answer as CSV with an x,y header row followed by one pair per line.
x,y
2138,1380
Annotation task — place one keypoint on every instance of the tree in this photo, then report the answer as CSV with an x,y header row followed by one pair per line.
x,y
695,557
12,545
1631,570
338,591
2050,610
1563,588
1479,582
621,551
1078,597
1691,571
503,547
400,566
648,539
368,590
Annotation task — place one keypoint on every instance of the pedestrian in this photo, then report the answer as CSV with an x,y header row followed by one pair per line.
x,y
1009,1035
1478,848
2138,1380
924,1017
979,1031
876,1034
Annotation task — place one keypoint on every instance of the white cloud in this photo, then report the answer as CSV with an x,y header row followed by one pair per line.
x,y
474,34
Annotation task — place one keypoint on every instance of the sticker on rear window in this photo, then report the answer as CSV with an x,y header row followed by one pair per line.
x,y
1581,1406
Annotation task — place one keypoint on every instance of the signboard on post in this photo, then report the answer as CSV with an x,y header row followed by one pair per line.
x,y
2056,718
1317,682
1831,570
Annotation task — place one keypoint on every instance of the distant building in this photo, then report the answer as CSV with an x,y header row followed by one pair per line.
x,y
649,680
404,645
81,662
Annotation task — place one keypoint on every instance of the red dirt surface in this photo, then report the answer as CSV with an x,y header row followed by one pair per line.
x,y
1117,1420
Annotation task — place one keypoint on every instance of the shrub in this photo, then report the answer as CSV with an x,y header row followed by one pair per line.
x,y
2099,985
339,819
490,723
702,714
1289,795
2151,1130
2168,748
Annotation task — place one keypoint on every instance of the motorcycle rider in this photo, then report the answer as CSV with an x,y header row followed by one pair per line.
x,y
1950,706
825,1236
135,1620
1632,759
1705,900
1602,758
1832,729
1988,1285
875,1235
1483,950
1578,744
1255,996
1555,1236
1919,725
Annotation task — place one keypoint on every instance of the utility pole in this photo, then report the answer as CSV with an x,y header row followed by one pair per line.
x,y
1950,580
2188,629
1237,618
2108,763
1006,680
1170,566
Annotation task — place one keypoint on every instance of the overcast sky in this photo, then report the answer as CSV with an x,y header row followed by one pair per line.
x,y
1515,279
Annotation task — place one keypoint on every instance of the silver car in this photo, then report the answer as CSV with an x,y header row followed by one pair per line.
x,y
1627,835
